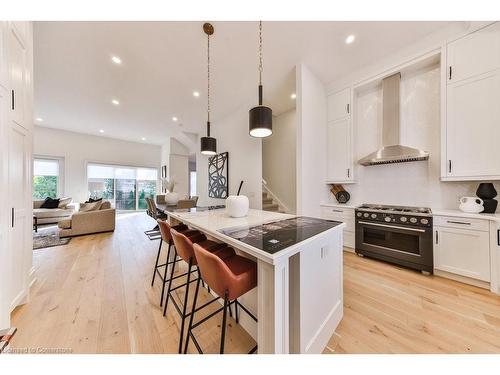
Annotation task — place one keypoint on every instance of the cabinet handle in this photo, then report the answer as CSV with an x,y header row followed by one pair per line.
x,y
437,237
498,237
337,211
348,172
348,109
449,166
12,217
457,222
449,75
13,99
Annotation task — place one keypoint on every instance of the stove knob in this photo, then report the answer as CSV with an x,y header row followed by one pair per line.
x,y
387,218
366,215
424,221
374,216
413,220
359,214
403,219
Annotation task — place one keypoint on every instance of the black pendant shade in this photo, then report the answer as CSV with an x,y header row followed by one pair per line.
x,y
208,144
261,119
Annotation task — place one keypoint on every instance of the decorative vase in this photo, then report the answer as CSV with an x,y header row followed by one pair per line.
x,y
171,198
237,205
486,191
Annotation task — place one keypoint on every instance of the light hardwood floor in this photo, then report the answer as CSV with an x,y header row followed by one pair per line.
x,y
94,296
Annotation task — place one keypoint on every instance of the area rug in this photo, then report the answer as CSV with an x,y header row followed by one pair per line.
x,y
48,237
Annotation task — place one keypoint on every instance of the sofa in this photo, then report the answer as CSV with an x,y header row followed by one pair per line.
x,y
53,215
88,222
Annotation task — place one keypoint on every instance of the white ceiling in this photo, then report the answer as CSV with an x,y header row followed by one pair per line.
x,y
163,62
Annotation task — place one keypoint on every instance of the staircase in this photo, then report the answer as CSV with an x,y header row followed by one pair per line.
x,y
268,203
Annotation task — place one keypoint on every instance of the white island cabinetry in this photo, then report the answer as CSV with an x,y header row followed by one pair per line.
x,y
299,299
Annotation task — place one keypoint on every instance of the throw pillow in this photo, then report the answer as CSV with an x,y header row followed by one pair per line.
x,y
50,203
63,202
92,200
94,206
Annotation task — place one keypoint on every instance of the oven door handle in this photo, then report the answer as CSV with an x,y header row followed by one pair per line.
x,y
392,226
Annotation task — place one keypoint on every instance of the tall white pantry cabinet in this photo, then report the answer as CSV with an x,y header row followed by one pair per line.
x,y
16,145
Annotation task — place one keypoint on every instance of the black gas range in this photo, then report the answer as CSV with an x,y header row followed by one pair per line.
x,y
397,234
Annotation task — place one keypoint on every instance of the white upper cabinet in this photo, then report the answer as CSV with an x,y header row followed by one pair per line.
x,y
339,151
18,75
339,105
473,130
4,76
474,54
470,147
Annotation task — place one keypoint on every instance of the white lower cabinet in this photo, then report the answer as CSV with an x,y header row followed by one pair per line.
x,y
462,247
344,214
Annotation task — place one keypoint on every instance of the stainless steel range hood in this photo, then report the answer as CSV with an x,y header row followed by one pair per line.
x,y
392,151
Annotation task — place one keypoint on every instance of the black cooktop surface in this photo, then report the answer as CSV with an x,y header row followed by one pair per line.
x,y
278,235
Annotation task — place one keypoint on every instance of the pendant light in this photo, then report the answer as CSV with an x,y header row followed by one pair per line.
x,y
261,117
208,144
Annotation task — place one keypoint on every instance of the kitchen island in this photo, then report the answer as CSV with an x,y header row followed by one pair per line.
x,y
299,299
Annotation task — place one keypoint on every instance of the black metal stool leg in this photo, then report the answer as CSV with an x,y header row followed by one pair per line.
x,y
169,285
156,264
224,317
192,312
165,272
236,311
183,320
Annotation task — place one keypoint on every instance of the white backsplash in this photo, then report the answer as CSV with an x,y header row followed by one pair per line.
x,y
413,183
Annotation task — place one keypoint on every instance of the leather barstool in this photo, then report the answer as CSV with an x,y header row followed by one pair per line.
x,y
184,248
229,277
167,238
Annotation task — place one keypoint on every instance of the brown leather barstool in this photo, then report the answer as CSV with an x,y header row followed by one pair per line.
x,y
184,248
167,238
229,277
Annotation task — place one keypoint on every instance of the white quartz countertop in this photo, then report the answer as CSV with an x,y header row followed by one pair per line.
x,y
340,205
458,213
211,221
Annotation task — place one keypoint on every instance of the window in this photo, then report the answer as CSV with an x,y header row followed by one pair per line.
x,y
126,187
46,179
192,183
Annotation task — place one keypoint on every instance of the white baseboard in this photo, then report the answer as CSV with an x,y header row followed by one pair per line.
x,y
319,341
20,299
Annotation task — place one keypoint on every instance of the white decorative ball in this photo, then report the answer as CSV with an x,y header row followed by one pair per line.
x,y
237,205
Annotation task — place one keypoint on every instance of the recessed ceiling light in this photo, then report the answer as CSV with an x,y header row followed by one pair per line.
x,y
174,118
196,94
116,60
350,39
39,119
115,102
293,96
143,138
101,131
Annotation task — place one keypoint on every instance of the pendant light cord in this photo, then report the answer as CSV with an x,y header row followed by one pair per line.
x,y
208,85
260,53
260,63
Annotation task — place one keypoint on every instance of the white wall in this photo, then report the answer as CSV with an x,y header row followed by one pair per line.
x,y
78,149
176,157
279,159
311,142
245,159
